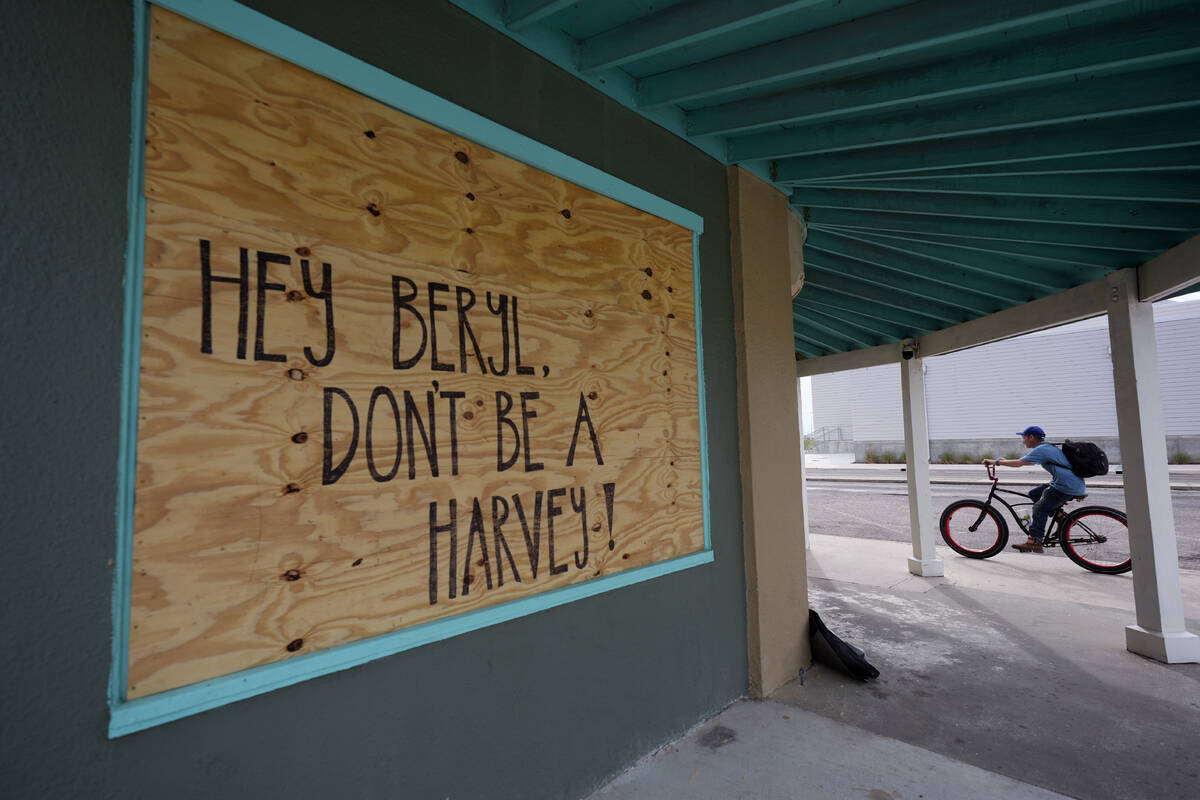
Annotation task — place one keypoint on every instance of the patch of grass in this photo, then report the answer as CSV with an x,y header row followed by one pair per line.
x,y
883,457
985,454
1180,457
1013,455
809,443
946,457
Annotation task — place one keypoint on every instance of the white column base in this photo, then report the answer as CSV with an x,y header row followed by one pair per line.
x,y
1169,648
929,568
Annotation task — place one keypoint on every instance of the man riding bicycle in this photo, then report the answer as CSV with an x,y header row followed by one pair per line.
x,y
1049,497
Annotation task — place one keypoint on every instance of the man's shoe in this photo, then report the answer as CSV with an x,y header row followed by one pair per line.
x,y
1028,547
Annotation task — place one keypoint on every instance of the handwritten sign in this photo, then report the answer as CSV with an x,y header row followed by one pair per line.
x,y
387,375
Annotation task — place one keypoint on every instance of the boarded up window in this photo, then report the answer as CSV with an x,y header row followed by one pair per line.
x,y
387,376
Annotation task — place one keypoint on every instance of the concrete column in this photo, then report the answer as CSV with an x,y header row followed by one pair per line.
x,y
1159,633
768,435
916,445
803,468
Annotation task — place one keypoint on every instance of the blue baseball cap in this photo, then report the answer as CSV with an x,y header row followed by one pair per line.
x,y
1033,429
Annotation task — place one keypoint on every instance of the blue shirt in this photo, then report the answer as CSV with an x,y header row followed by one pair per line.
x,y
1051,459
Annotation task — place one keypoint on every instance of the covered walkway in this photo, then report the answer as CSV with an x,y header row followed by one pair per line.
x,y
958,173
1005,678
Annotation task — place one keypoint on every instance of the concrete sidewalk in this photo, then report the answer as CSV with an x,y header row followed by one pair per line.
x,y
770,750
1006,678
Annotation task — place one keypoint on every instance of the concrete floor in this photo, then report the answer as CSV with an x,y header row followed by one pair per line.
x,y
1007,678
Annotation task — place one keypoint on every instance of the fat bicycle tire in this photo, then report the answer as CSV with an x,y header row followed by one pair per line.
x,y
1078,534
990,533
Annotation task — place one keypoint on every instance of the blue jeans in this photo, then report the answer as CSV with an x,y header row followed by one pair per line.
x,y
1046,501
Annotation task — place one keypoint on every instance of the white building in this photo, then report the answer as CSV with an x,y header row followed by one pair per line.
x,y
1060,379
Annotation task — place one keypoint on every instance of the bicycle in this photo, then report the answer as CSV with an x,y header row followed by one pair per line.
x,y
1094,537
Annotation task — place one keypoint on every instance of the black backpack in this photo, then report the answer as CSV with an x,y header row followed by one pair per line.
x,y
832,651
1086,459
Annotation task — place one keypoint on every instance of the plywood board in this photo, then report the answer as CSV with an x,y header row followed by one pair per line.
x,y
382,385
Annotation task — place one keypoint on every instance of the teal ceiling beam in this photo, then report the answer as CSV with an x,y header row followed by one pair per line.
x,y
520,14
1159,159
678,26
924,29
1131,43
832,330
805,315
807,350
919,288
1071,265
1124,239
831,278
813,340
1122,95
1114,135
870,326
1024,278
1177,186
560,49
1131,214
909,323
952,158
958,276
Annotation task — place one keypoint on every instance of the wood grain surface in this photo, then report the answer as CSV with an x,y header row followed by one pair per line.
x,y
251,545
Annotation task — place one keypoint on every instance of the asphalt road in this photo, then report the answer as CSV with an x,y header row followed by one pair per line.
x,y
880,511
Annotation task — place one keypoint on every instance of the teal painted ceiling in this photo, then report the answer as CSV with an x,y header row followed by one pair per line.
x,y
951,159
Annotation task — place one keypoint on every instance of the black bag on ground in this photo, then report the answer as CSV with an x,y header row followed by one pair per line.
x,y
833,652
1086,459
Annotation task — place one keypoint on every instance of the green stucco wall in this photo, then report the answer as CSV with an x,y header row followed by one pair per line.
x,y
546,706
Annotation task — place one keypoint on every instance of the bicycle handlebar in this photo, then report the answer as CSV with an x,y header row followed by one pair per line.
x,y
991,470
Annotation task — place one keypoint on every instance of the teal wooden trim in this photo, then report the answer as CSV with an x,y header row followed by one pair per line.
x,y
146,712
128,716
131,349
1159,130
264,33
941,28
701,392
562,51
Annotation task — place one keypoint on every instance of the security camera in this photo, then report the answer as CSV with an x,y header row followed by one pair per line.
x,y
908,350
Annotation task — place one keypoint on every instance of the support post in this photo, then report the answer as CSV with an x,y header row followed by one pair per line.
x,y
1158,601
803,466
924,561
768,435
